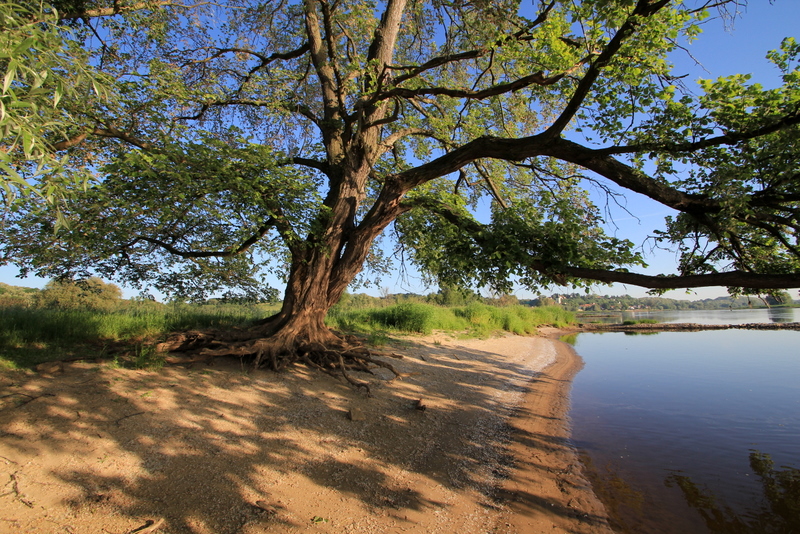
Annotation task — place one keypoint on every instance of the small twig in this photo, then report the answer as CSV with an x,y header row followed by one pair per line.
x,y
18,493
149,527
31,398
118,421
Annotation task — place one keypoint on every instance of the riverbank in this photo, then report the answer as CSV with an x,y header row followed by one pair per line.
x,y
547,489
472,439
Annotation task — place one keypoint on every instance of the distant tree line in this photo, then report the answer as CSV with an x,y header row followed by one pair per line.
x,y
95,294
598,303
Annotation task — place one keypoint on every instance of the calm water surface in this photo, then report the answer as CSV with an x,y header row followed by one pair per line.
x,y
671,422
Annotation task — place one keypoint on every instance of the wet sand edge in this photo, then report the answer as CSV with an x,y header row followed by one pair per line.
x,y
546,489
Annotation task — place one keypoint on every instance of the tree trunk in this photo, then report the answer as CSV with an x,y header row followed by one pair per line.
x,y
299,328
298,333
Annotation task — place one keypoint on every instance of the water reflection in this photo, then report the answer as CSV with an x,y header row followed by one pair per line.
x,y
711,316
779,513
781,315
688,404
625,505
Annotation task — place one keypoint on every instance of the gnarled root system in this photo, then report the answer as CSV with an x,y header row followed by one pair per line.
x,y
327,352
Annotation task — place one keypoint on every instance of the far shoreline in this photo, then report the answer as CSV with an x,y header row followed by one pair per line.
x,y
684,327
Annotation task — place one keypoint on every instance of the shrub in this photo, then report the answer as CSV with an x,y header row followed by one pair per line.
x,y
90,294
406,317
14,296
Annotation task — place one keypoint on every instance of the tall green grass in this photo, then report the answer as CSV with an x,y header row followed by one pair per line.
x,y
29,336
476,319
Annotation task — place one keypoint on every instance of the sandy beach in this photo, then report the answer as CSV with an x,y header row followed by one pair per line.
x,y
472,439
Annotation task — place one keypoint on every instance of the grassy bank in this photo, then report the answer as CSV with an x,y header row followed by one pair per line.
x,y
475,319
29,335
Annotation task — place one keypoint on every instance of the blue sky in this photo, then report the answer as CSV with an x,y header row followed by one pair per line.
x,y
724,48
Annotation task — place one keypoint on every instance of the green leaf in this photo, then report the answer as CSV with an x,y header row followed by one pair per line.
x,y
11,72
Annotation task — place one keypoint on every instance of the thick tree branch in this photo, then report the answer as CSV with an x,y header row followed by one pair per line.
x,y
629,177
109,132
117,9
725,279
559,274
114,133
539,145
321,166
320,62
537,78
333,55
383,42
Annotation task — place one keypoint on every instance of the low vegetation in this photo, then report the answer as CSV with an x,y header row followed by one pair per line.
x,y
91,320
639,321
475,319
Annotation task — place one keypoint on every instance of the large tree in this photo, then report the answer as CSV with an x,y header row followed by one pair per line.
x,y
247,135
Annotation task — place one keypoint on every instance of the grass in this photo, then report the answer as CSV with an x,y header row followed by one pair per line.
x,y
29,336
476,319
639,321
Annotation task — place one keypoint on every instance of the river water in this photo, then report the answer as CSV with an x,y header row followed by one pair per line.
x,y
678,429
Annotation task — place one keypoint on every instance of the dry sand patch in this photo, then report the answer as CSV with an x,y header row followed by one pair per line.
x,y
221,449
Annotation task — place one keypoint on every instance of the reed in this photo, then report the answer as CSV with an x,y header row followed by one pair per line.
x,y
476,319
29,336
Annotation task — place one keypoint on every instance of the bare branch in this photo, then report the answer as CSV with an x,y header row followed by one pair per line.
x,y
243,247
730,138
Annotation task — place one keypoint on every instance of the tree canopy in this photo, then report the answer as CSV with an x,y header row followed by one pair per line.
x,y
42,67
247,136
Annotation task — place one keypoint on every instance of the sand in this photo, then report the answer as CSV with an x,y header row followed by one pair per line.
x,y
472,439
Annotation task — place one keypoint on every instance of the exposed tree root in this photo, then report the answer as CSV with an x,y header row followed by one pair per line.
x,y
330,353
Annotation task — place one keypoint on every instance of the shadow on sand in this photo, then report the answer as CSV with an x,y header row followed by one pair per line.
x,y
220,449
